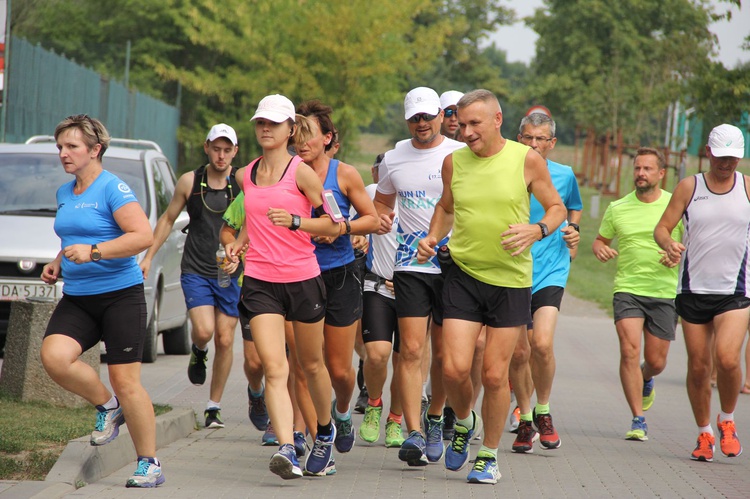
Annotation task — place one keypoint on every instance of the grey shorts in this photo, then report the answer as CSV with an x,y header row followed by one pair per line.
x,y
659,313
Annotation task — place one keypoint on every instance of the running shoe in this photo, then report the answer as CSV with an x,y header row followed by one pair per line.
x,y
361,405
197,366
257,409
394,437
369,430
269,436
433,428
484,470
649,393
300,444
513,420
425,404
449,419
728,441
704,450
107,427
284,463
548,436
638,430
413,450
344,431
525,438
147,475
213,418
457,452
320,461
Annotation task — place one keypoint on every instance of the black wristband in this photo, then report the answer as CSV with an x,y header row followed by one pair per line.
x,y
296,221
348,226
319,211
575,226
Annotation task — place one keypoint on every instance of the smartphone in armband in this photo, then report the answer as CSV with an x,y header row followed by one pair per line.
x,y
331,207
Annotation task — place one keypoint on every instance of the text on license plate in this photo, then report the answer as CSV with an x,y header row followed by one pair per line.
x,y
21,291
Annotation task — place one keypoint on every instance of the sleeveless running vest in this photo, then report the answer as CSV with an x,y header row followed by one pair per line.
x,y
277,254
716,237
205,206
340,252
489,194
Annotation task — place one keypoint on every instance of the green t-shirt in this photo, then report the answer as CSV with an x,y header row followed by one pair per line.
x,y
632,222
234,216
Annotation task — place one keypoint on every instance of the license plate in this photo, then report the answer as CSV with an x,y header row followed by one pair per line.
x,y
12,292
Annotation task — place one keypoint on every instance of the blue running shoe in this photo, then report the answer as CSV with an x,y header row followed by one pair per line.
x,y
638,430
108,422
413,449
344,431
300,444
148,474
433,428
321,456
257,411
484,470
269,436
284,463
457,452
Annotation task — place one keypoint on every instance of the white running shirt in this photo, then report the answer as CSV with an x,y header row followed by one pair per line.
x,y
414,175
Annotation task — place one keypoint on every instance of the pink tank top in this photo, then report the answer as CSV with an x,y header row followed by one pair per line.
x,y
277,254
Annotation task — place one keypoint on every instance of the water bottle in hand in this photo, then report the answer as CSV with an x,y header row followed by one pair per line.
x,y
224,278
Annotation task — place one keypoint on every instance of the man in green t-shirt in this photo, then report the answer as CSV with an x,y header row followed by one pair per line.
x,y
644,288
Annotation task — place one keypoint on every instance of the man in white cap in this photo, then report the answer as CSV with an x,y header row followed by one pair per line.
x,y
206,192
714,282
448,101
410,176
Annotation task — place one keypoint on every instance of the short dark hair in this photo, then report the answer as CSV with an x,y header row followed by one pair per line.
x,y
646,151
316,109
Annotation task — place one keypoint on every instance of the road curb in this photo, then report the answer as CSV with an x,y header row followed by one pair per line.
x,y
80,463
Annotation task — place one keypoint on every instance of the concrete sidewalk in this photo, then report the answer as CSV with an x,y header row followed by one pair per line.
x,y
587,402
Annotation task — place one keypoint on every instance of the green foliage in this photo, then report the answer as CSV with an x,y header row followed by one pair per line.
x,y
721,95
617,65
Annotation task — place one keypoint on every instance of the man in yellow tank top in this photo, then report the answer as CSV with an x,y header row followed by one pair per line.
x,y
486,202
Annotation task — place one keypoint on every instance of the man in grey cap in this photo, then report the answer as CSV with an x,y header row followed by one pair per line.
x,y
206,192
410,176
714,282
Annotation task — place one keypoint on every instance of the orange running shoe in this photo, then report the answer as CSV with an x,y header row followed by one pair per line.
x,y
729,443
704,451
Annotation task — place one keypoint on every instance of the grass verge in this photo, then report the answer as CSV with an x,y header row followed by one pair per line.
x,y
34,434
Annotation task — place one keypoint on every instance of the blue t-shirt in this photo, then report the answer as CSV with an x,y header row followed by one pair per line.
x,y
551,255
88,218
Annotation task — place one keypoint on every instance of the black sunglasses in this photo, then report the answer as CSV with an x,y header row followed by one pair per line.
x,y
422,116
450,112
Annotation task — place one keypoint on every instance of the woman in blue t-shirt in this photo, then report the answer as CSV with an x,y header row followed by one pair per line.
x,y
102,227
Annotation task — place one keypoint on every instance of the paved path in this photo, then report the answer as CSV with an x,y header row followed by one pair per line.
x,y
590,414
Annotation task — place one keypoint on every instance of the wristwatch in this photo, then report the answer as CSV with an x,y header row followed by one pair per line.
x,y
545,230
296,221
575,226
96,255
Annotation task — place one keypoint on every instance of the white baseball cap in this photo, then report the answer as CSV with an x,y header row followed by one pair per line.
x,y
727,140
421,100
276,108
450,98
222,130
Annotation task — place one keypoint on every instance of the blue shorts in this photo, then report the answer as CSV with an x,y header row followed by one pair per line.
x,y
200,291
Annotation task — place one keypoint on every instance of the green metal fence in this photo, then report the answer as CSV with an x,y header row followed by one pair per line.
x,y
44,87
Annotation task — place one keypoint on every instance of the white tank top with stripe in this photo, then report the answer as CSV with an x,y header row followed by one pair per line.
x,y
716,238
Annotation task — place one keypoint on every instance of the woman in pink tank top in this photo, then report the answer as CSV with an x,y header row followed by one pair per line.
x,y
282,278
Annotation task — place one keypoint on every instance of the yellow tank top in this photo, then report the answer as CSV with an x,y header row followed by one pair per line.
x,y
489,194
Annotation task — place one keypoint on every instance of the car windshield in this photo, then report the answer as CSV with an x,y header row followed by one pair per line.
x,y
29,182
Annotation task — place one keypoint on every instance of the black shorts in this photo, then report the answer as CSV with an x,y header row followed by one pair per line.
x,y
659,313
551,296
418,295
468,299
379,320
303,301
247,335
118,318
701,309
344,292
360,262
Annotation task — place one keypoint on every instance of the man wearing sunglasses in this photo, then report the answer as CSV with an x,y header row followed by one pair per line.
x,y
410,175
448,101
533,363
